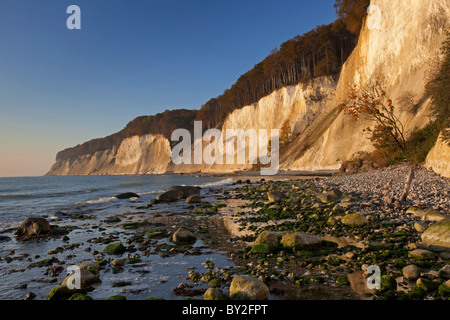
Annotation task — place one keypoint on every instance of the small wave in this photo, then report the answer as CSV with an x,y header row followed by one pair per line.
x,y
151,192
216,184
96,201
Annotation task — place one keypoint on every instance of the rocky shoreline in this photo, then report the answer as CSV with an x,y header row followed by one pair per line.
x,y
288,238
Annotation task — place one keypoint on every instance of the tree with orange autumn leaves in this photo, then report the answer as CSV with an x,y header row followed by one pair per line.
x,y
372,103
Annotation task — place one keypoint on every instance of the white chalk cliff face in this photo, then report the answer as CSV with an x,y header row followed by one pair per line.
x,y
149,154
399,53
439,158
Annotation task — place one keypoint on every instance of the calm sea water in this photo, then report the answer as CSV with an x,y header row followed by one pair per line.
x,y
25,197
60,198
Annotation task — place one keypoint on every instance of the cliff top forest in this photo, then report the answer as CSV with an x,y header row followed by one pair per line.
x,y
319,52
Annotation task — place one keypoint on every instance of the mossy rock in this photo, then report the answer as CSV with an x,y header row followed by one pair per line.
x,y
132,260
214,294
44,263
388,283
102,263
427,285
444,290
215,283
438,234
61,292
246,285
80,296
116,297
154,298
264,248
354,220
154,234
268,238
342,281
115,248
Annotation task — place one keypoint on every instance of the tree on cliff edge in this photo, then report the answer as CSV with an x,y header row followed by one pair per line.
x,y
372,103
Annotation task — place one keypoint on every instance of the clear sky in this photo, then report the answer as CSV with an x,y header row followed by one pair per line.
x,y
61,87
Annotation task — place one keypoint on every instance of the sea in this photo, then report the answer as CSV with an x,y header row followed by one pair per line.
x,y
59,198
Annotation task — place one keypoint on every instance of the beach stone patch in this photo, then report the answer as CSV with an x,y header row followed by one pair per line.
x,y
248,287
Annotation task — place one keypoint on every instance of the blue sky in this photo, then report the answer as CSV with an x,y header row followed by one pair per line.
x,y
61,87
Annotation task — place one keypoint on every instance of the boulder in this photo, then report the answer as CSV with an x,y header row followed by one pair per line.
x,y
214,294
177,193
33,227
438,234
268,238
300,239
127,195
87,279
183,236
427,214
115,248
354,220
422,254
411,272
248,287
275,196
196,198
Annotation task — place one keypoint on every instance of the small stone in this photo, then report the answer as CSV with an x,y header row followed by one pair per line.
x,y
422,254
196,198
411,272
275,196
354,220
183,236
420,226
444,272
350,255
118,262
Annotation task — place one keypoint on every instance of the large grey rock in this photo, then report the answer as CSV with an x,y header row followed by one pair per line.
x,y
177,193
246,286
438,234
33,227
